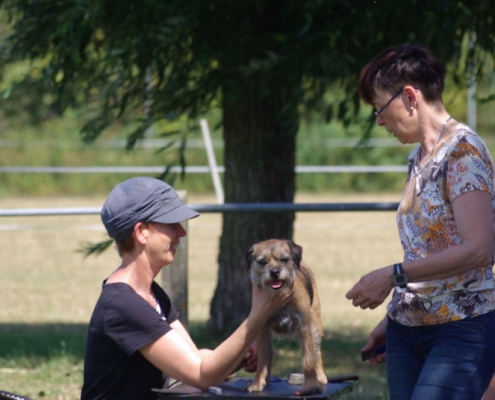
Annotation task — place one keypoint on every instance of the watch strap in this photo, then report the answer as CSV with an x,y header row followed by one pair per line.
x,y
398,270
399,277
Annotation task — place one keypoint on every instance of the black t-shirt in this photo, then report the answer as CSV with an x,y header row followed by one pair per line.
x,y
121,324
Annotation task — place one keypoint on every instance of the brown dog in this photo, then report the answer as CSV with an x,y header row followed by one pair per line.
x,y
276,265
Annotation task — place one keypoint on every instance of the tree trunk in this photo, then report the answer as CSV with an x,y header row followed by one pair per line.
x,y
260,141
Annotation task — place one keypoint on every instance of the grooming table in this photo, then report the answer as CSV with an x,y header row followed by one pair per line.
x,y
276,389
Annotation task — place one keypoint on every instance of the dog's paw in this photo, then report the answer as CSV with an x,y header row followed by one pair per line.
x,y
255,386
231,377
322,378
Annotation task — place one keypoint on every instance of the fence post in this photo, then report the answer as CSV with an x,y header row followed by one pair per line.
x,y
174,276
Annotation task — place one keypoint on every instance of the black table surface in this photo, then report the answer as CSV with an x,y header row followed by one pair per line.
x,y
277,389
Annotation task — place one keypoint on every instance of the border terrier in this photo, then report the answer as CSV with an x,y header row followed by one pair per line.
x,y
277,265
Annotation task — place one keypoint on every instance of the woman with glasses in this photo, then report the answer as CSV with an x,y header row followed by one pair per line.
x,y
439,330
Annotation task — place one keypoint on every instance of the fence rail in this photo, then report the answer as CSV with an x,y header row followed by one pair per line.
x,y
217,208
191,143
198,169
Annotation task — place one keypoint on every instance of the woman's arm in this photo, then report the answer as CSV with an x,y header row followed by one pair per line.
x,y
474,219
179,328
176,355
249,361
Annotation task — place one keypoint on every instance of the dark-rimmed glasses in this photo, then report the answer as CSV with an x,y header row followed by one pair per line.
x,y
377,113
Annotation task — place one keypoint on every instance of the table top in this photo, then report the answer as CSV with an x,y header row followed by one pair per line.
x,y
277,389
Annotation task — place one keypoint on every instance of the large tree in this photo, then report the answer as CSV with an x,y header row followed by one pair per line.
x,y
260,59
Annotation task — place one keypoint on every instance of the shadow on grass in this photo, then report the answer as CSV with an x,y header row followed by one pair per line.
x,y
29,345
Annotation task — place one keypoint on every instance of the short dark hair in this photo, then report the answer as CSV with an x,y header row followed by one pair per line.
x,y
125,245
400,65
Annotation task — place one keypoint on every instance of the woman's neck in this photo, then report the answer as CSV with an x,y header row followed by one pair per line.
x,y
137,278
430,144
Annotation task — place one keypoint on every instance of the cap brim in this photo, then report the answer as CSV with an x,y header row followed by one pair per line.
x,y
180,214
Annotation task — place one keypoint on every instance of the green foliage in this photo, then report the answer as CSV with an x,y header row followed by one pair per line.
x,y
153,61
88,249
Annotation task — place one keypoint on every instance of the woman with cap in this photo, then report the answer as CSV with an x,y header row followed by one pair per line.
x,y
135,337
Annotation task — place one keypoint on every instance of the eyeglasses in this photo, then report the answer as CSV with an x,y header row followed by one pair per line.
x,y
377,113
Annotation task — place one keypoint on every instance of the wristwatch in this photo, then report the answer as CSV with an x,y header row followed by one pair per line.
x,y
399,277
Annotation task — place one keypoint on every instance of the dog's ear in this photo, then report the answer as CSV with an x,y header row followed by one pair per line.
x,y
249,257
296,252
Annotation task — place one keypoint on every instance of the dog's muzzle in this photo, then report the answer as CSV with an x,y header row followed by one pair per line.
x,y
275,282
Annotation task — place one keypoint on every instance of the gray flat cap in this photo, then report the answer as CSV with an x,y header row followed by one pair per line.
x,y
142,199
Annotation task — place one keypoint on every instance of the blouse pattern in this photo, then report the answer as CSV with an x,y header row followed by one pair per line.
x,y
461,163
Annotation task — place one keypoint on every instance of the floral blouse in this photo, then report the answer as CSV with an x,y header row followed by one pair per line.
x,y
459,164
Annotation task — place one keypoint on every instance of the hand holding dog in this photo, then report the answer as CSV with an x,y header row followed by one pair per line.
x,y
265,303
250,361
372,289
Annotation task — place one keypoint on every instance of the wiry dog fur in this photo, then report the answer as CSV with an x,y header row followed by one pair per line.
x,y
276,265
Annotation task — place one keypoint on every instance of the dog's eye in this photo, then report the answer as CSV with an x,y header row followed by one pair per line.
x,y
262,262
285,259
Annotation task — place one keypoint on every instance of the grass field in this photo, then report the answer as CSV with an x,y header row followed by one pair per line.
x,y
48,289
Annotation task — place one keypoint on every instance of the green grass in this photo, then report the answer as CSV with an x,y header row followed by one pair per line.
x,y
45,361
42,360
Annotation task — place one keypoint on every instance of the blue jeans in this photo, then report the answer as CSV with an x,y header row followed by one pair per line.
x,y
453,361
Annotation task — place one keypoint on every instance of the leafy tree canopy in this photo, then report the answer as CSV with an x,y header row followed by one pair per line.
x,y
179,54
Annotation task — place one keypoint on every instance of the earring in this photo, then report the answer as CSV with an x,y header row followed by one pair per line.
x,y
412,108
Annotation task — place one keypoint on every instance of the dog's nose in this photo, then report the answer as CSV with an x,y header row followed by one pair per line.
x,y
275,273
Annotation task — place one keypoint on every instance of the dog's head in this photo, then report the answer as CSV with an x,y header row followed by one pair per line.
x,y
273,263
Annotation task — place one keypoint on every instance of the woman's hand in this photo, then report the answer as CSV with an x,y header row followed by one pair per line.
x,y
372,289
250,360
376,338
266,301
